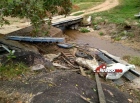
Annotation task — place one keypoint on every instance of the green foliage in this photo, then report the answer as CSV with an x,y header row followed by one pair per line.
x,y
84,30
132,60
11,55
35,10
135,61
125,11
78,1
128,35
117,38
84,4
12,70
101,33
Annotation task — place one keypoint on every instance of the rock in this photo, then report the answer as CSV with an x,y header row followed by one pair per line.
x,y
27,57
18,46
37,67
96,27
86,20
127,23
74,27
49,66
90,29
51,57
124,37
135,23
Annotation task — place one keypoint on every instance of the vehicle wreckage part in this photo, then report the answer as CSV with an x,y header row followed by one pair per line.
x,y
83,55
135,72
119,81
116,61
115,75
36,39
104,58
129,76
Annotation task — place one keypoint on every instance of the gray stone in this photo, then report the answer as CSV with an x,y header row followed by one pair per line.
x,y
124,37
37,67
18,46
87,20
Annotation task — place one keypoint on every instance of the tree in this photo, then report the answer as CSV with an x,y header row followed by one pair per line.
x,y
35,10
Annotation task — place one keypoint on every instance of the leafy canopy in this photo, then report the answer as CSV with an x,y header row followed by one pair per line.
x,y
35,10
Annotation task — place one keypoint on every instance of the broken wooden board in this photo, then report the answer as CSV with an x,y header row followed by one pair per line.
x,y
100,90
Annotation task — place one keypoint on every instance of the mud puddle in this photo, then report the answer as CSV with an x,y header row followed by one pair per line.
x,y
90,38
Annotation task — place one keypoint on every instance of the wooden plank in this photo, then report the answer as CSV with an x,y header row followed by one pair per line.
x,y
100,90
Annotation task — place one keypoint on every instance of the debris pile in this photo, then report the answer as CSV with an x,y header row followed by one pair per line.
x,y
87,61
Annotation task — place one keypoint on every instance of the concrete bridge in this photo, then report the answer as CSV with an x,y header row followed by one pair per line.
x,y
62,21
57,21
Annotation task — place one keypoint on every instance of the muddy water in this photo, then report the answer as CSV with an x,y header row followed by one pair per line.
x,y
98,42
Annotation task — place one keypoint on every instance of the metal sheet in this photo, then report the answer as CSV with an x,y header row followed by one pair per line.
x,y
36,39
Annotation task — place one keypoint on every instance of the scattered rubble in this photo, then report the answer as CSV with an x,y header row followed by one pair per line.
x,y
81,60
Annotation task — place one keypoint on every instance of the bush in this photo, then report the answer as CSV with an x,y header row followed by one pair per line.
x,y
35,10
84,30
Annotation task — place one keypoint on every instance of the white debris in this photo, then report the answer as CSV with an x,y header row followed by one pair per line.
x,y
117,75
60,66
87,20
137,15
37,67
51,57
90,64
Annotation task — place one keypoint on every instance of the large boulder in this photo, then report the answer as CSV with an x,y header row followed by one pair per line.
x,y
27,57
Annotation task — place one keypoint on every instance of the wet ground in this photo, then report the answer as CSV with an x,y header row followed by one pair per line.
x,y
93,40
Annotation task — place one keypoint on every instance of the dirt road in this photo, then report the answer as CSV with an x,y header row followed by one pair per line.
x,y
108,4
